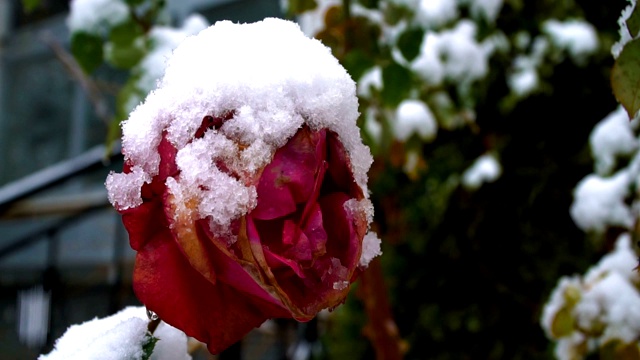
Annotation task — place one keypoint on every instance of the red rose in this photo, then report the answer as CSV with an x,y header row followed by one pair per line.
x,y
256,213
296,252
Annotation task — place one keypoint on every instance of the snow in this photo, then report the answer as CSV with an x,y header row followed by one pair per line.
x,y
370,249
604,303
125,189
312,21
118,337
524,78
371,79
610,138
164,39
621,260
484,169
616,302
577,37
599,202
625,35
452,54
523,81
413,116
436,13
92,16
568,290
487,9
372,126
428,64
274,79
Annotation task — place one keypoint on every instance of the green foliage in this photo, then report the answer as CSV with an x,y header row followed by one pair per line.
x,y
484,260
625,75
126,45
409,42
633,22
372,4
121,46
616,349
30,5
563,323
88,50
397,84
295,7
148,345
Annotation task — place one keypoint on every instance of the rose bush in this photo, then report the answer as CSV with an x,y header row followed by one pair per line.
x,y
245,198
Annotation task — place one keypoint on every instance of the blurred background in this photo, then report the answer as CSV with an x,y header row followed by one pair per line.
x,y
478,114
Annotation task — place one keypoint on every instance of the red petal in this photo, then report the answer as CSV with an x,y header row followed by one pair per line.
x,y
344,242
142,222
289,178
315,232
277,262
217,315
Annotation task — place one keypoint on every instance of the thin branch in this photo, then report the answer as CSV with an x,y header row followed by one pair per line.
x,y
75,71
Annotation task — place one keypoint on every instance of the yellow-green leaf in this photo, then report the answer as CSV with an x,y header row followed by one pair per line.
x,y
625,77
616,349
562,324
633,22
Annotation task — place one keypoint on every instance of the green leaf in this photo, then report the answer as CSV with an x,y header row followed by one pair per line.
x,y
396,81
87,50
633,22
616,349
126,46
297,7
371,4
409,43
625,77
357,63
30,5
148,346
562,324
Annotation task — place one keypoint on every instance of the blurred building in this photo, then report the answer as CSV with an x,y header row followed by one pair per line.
x,y
64,255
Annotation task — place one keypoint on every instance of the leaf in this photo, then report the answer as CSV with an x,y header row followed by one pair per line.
x,y
371,4
87,49
409,43
633,22
396,81
30,5
148,346
562,324
625,78
616,349
297,7
357,63
126,46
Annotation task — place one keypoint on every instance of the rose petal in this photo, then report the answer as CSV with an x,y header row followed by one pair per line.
x,y
182,227
343,242
277,262
300,249
217,315
289,178
141,222
340,177
315,232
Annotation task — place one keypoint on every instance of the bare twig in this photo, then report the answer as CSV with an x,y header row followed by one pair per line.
x,y
381,328
75,71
